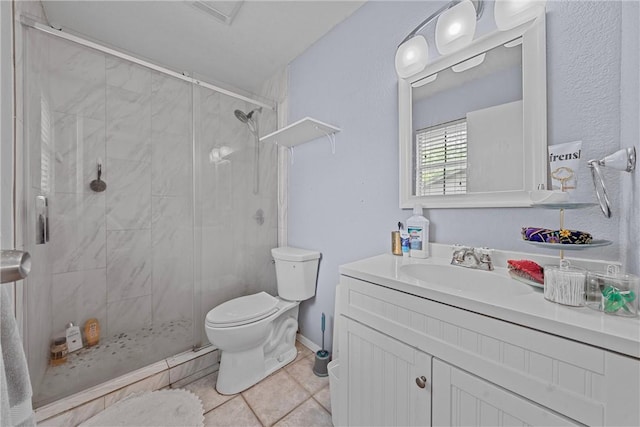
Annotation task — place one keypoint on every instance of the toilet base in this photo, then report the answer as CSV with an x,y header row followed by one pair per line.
x,y
240,370
275,363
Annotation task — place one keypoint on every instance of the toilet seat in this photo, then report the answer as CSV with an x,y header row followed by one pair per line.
x,y
242,310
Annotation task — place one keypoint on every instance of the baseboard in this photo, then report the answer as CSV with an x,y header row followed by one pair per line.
x,y
307,343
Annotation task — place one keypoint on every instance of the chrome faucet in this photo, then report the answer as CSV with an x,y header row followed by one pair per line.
x,y
469,257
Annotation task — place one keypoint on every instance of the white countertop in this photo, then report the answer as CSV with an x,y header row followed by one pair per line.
x,y
530,309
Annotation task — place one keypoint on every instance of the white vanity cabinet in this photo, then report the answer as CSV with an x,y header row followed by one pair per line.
x,y
388,382
463,399
477,369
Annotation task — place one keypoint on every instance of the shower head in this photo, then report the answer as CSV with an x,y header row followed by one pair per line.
x,y
246,117
240,115
252,124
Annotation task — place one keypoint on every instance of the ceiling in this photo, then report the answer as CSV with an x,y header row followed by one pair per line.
x,y
262,38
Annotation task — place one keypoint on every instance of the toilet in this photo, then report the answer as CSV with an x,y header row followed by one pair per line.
x,y
256,333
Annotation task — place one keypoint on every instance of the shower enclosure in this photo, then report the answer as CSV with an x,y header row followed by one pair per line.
x,y
180,227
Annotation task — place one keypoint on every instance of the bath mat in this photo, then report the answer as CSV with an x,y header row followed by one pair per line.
x,y
154,408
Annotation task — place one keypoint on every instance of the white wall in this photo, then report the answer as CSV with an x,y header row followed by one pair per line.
x,y
346,205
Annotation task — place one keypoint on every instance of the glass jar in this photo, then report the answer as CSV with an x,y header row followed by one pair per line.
x,y
612,292
564,284
59,351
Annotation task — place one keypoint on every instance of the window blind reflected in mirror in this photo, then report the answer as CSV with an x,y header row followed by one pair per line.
x,y
441,159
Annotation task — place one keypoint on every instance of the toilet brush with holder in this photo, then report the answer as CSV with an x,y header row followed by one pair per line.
x,y
322,356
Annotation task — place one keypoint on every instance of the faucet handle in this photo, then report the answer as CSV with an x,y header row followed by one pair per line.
x,y
458,253
460,248
485,257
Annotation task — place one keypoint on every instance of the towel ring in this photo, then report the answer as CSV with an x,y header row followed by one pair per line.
x,y
601,189
622,160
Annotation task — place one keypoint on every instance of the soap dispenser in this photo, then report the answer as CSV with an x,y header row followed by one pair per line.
x,y
418,229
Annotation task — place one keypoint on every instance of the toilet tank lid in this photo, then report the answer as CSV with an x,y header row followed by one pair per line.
x,y
242,309
288,253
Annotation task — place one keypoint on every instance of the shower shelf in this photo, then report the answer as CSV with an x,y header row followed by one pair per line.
x,y
304,130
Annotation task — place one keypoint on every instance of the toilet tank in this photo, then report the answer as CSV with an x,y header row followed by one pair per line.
x,y
296,272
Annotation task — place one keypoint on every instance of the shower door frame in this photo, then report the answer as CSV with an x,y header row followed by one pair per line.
x,y
30,22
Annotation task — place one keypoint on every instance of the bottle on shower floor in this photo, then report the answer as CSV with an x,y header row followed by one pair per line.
x,y
74,337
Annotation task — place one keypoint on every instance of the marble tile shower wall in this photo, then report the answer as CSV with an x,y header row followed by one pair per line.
x,y
235,247
126,255
123,256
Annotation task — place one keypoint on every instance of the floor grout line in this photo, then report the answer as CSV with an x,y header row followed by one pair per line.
x,y
302,385
318,402
292,410
216,407
284,370
252,411
311,395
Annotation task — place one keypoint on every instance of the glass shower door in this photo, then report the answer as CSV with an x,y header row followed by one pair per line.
x,y
236,226
123,255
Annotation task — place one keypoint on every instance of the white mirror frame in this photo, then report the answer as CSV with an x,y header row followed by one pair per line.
x,y
534,97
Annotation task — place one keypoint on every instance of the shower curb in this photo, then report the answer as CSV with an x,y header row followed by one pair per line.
x,y
81,406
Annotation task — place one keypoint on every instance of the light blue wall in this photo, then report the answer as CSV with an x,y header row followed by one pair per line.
x,y
630,133
345,205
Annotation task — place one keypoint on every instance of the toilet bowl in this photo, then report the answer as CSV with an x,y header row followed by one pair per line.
x,y
256,333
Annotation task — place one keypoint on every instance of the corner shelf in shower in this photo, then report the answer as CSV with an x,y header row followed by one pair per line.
x,y
302,131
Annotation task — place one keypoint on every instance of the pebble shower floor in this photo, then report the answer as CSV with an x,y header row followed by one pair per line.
x,y
112,357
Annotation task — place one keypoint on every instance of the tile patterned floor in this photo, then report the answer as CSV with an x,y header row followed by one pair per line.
x,y
291,396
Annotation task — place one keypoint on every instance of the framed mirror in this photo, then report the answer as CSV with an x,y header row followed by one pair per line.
x,y
473,127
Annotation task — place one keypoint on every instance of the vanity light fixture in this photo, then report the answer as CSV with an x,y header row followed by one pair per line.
x,y
429,79
511,13
455,27
412,54
469,63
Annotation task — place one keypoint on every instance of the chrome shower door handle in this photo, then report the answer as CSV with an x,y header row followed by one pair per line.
x,y
42,220
14,265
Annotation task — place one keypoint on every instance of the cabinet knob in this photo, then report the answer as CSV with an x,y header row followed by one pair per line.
x,y
421,382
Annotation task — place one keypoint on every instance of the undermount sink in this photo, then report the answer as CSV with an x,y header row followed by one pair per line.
x,y
465,279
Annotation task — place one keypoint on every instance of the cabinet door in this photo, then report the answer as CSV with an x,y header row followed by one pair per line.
x,y
383,382
462,399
